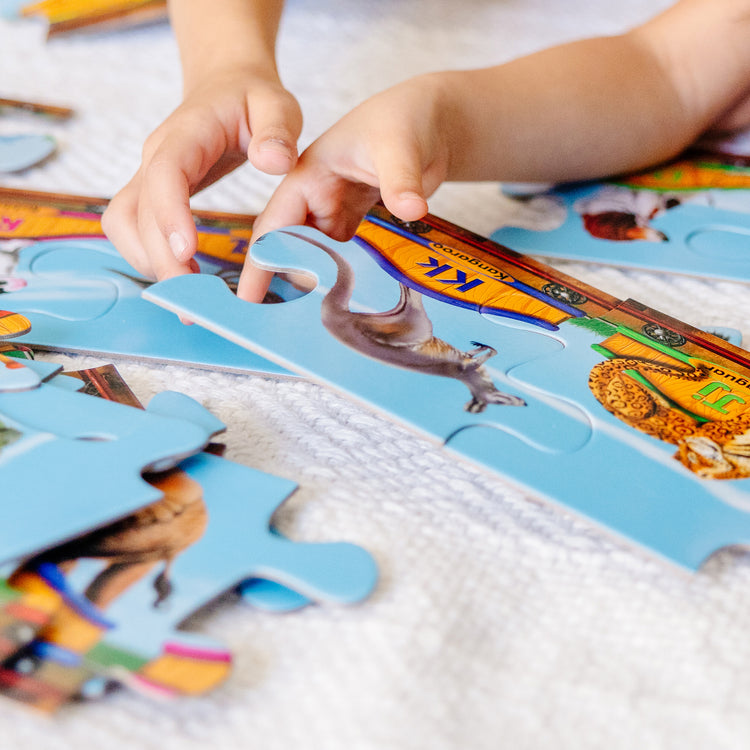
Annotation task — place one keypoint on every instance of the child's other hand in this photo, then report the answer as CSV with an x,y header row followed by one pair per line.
x,y
394,146
222,121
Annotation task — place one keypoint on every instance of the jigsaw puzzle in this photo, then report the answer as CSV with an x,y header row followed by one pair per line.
x,y
555,385
58,638
691,216
125,588
58,269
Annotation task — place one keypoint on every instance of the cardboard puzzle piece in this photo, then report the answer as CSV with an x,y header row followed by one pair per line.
x,y
125,588
58,269
53,607
19,152
87,444
691,216
624,392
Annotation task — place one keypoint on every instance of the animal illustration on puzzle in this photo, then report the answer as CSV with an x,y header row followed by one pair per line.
x,y
403,337
687,216
611,388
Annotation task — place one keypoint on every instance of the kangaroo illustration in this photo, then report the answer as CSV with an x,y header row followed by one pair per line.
x,y
403,337
713,450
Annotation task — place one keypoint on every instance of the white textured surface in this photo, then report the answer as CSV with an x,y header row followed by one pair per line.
x,y
499,622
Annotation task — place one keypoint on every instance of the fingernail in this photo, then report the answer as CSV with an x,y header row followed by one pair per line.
x,y
178,245
276,145
410,196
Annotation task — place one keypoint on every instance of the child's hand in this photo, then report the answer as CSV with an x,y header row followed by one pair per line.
x,y
394,146
225,119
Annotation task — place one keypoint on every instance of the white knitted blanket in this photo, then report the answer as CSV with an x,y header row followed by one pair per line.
x,y
499,622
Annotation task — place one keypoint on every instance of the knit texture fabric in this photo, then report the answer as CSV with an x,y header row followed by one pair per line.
x,y
499,621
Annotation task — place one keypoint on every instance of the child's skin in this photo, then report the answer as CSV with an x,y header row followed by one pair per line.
x,y
234,108
582,110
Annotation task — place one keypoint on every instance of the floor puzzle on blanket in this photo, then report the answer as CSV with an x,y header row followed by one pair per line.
x,y
502,360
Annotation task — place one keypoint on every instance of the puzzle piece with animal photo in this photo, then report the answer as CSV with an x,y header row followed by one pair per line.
x,y
691,216
125,588
58,269
68,447
62,493
561,388
106,382
55,604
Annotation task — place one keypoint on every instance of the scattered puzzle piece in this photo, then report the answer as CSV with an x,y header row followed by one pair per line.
x,y
117,618
19,152
88,444
690,216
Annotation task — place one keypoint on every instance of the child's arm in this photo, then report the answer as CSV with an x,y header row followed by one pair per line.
x,y
234,107
581,110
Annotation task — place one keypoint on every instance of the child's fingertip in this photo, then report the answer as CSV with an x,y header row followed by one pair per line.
x,y
274,156
412,206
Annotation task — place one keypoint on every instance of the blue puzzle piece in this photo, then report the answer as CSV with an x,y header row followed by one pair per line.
x,y
18,152
687,238
431,402
235,546
68,447
81,295
562,444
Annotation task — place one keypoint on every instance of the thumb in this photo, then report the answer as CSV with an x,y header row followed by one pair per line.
x,y
400,175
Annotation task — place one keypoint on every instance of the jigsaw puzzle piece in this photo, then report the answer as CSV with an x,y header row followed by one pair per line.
x,y
52,669
129,639
16,376
18,152
625,484
622,389
406,369
684,392
27,604
93,452
81,295
676,232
